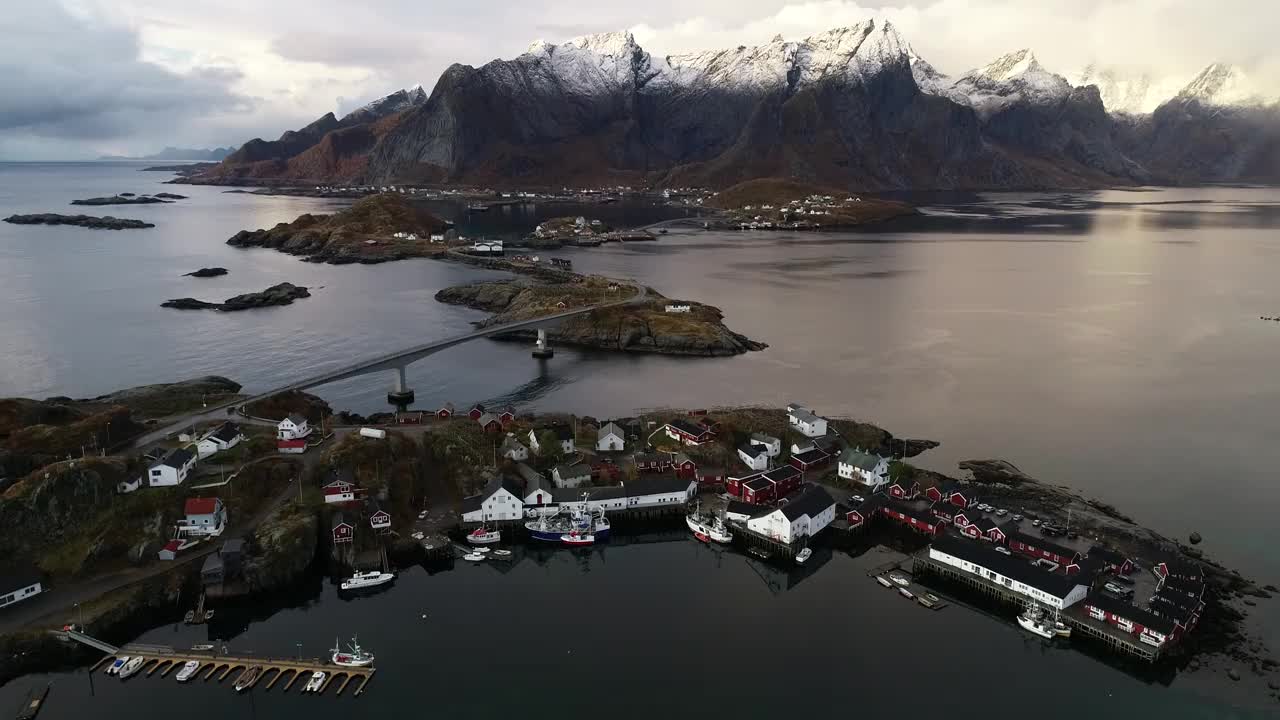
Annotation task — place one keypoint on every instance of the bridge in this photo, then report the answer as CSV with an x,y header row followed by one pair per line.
x,y
401,395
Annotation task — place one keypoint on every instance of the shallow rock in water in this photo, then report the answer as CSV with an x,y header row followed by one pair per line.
x,y
1233,674
207,272
119,200
282,294
86,221
170,196
1195,538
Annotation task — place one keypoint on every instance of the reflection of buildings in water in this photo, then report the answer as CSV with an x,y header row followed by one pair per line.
x,y
233,617
780,578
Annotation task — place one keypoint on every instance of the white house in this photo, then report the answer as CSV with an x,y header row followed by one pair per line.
x,y
610,437
571,476
224,437
563,433
870,470
755,456
806,422
803,517
500,501
293,427
204,516
1057,590
19,584
339,491
514,449
124,487
537,489
659,490
677,308
772,444
602,499
172,469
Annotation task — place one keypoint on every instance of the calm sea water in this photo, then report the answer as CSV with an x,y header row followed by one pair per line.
x,y
1109,341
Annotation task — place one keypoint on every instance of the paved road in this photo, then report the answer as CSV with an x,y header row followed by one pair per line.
x,y
375,364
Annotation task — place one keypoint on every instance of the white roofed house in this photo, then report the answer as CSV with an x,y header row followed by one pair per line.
x,y
804,516
754,456
806,422
870,470
501,500
610,438
514,449
224,437
172,469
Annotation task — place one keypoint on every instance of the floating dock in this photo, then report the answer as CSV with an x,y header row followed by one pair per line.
x,y
162,661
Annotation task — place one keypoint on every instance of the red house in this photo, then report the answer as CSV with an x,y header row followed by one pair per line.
x,y
963,518
963,498
379,519
971,531
938,493
944,511
810,460
476,411
1179,569
915,519
1150,628
1112,560
409,418
684,467
987,529
760,490
340,491
445,412
650,462
689,433
489,423
1024,544
997,535
343,531
904,490
507,416
710,475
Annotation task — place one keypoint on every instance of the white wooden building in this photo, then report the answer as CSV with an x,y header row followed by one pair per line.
x,y
802,517
610,438
858,466
203,517
571,475
224,437
514,449
772,444
501,500
293,427
563,434
754,456
1056,590
172,469
806,422
659,490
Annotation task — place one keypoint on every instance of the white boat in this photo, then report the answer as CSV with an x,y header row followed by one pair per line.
x,y
502,553
906,593
880,579
1060,629
899,579
708,531
354,657
314,684
202,646
577,539
803,555
1034,623
473,557
248,678
483,536
367,579
481,550
188,670
119,663
131,667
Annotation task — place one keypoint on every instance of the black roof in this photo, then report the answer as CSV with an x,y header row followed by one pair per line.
x,y
655,484
943,505
611,492
812,456
759,483
1174,607
871,505
811,501
987,524
1106,554
177,458
786,472
338,520
513,485
1132,612
233,545
980,552
562,431
737,507
1043,544
1184,587
212,563
471,504
18,575
911,512
1184,568
688,427
227,432
753,449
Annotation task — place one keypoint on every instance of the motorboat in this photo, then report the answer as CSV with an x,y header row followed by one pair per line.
x,y
900,579
925,601
906,593
114,668
188,670
315,683
355,656
708,531
202,646
131,667
248,678
577,539
880,579
1033,621
208,615
502,553
803,555
931,598
473,557
367,579
190,617
1060,629
483,536
480,550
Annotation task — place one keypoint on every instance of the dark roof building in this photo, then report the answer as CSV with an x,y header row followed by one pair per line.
x,y
1131,612
812,500
177,458
657,485
226,432
979,553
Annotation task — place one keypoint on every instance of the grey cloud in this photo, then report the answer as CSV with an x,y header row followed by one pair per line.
x,y
352,50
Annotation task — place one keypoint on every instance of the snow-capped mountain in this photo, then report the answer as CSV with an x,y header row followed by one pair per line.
x,y
397,101
1132,92
1223,84
1009,79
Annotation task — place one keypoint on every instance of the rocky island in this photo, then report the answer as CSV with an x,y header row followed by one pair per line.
x,y
282,294
771,203
654,325
85,221
207,272
122,199
376,229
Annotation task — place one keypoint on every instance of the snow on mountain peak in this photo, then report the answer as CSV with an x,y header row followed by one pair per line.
x,y
1012,66
1008,79
384,106
1222,84
1127,90
610,43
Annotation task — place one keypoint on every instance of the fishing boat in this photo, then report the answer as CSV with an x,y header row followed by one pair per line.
x,y
803,555
354,657
248,678
548,529
473,557
480,550
188,670
190,617
708,530
483,536
1033,622
208,615
35,701
1060,629
367,579
315,683
131,667
119,663
906,593
574,538
762,554
900,579
478,207
880,579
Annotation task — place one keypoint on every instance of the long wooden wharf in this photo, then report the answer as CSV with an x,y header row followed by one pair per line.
x,y
218,668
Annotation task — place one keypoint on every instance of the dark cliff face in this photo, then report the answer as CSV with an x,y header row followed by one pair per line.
x,y
1184,141
290,143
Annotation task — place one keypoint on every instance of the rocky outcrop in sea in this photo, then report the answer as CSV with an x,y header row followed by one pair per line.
x,y
207,272
123,199
282,294
85,221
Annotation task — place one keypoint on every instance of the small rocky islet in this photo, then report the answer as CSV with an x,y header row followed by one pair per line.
x,y
123,199
105,222
282,294
206,272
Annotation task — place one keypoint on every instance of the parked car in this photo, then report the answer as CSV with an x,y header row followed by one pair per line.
x,y
1017,517
1036,523
1117,589
1123,579
1002,512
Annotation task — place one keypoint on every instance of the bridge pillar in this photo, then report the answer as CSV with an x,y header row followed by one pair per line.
x,y
401,396
542,348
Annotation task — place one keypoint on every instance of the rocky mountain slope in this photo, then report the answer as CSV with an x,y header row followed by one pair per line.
x,y
853,108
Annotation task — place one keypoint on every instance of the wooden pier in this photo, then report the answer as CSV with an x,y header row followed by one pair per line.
x,y
218,668
1073,617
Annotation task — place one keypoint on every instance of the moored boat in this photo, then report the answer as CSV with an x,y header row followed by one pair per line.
x,y
803,555
473,557
1034,622
131,667
712,530
502,553
367,579
577,539
202,646
188,670
315,683
880,579
248,678
906,593
35,701
353,657
483,536
900,579
115,666
1060,629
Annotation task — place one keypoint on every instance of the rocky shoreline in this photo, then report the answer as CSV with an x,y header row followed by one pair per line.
x,y
85,221
123,199
282,294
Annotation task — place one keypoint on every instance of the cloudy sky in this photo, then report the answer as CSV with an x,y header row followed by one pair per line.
x,y
80,78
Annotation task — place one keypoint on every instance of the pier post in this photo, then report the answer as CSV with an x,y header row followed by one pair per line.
x,y
542,348
401,396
